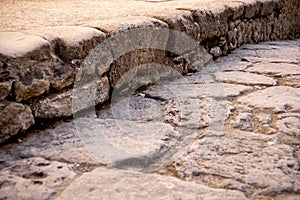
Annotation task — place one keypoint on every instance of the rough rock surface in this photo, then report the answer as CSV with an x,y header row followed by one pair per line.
x,y
102,182
15,118
40,62
230,130
194,137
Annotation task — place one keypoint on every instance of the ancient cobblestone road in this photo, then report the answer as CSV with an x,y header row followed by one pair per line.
x,y
252,153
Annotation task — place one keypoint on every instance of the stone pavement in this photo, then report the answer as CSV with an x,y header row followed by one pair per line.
x,y
227,129
253,155
44,43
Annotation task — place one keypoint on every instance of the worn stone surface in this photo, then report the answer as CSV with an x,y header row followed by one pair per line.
x,y
245,78
278,69
238,133
68,103
273,98
102,182
52,41
16,45
137,47
36,88
70,42
35,178
5,89
199,138
15,118
243,161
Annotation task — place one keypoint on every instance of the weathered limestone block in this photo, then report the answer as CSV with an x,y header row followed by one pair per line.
x,y
183,22
64,76
71,42
212,23
251,9
267,6
14,118
35,89
5,88
21,46
20,54
137,47
25,59
61,105
235,10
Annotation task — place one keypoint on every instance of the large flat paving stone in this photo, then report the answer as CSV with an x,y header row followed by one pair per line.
x,y
280,98
112,184
33,178
244,78
245,161
275,69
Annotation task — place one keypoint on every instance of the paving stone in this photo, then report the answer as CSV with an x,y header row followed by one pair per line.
x,y
292,81
275,69
33,178
272,98
15,117
245,161
124,144
232,140
245,78
289,124
135,109
61,143
105,183
71,42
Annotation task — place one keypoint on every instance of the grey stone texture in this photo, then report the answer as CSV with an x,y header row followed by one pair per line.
x,y
229,129
39,64
194,137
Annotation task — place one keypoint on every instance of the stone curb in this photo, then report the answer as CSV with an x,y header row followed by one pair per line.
x,y
38,67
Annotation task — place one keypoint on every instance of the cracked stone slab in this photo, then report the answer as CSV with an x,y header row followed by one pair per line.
x,y
244,78
275,69
131,145
109,184
272,97
33,178
252,163
61,143
292,81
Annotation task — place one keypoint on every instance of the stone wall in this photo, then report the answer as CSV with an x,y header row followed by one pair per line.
x,y
38,67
